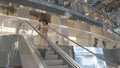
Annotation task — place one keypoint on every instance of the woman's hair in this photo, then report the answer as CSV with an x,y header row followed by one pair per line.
x,y
43,20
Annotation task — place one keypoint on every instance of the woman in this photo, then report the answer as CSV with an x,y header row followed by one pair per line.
x,y
40,42
43,30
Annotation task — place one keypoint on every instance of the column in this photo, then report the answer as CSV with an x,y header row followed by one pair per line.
x,y
89,35
80,33
23,13
64,30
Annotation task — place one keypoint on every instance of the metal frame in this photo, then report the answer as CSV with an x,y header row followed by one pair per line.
x,y
29,58
55,9
64,55
84,48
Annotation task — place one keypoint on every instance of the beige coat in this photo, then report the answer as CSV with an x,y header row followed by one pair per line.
x,y
39,41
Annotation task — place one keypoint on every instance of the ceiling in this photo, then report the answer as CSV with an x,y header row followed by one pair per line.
x,y
109,8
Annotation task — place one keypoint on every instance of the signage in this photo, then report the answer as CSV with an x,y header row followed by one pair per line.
x,y
88,60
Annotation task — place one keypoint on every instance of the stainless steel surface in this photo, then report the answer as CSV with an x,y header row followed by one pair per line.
x,y
28,56
80,46
7,43
65,56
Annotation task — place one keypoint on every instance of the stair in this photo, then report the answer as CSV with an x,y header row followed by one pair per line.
x,y
52,60
51,57
62,66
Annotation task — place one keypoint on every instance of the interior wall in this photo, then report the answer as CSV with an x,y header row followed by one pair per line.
x,y
82,38
80,25
55,19
2,18
108,34
70,23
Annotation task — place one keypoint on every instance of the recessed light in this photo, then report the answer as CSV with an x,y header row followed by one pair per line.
x,y
87,14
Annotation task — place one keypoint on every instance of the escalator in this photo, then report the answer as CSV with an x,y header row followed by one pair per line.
x,y
9,55
53,60
56,58
31,57
24,58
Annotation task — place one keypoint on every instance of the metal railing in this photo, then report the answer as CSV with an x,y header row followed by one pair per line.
x,y
63,36
80,34
37,57
65,56
83,47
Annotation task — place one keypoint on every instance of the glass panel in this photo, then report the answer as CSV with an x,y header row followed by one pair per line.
x,y
80,37
76,37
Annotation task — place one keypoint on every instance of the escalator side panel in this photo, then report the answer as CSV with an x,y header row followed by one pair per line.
x,y
6,44
26,56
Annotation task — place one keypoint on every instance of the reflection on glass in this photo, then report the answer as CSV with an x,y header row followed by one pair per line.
x,y
78,36
88,60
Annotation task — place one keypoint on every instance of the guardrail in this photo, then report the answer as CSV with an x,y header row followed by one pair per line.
x,y
66,57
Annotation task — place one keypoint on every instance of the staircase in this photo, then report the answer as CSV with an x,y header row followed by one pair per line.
x,y
53,60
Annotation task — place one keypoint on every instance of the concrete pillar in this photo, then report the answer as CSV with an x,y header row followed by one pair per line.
x,y
74,6
82,35
89,35
64,30
24,13
104,39
80,8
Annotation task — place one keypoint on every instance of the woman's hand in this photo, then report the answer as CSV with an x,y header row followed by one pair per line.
x,y
39,27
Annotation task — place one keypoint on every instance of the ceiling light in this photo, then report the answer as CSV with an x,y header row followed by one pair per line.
x,y
67,15
83,22
30,8
96,17
10,4
87,14
1,13
85,0
105,21
109,30
21,6
63,16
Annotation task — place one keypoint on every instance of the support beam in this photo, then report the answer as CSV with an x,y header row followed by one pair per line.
x,y
55,9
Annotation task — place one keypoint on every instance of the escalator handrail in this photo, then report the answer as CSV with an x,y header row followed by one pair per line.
x,y
38,60
58,50
38,53
83,47
64,55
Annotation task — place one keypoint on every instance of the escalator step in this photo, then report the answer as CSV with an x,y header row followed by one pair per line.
x,y
49,49
50,52
53,62
62,66
51,57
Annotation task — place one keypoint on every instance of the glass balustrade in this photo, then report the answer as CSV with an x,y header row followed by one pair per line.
x,y
78,39
81,37
64,36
